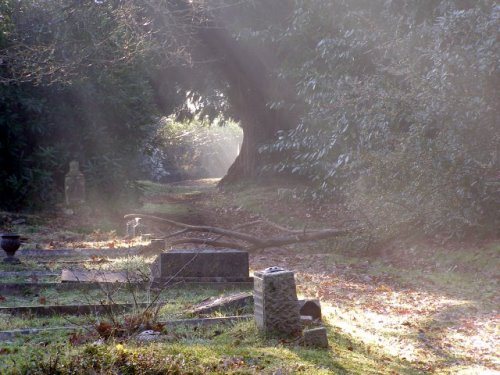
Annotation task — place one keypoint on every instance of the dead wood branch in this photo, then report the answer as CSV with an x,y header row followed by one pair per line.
x,y
252,242
215,243
201,228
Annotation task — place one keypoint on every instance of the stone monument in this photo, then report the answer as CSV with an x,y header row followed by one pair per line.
x,y
202,265
275,302
74,185
316,337
135,228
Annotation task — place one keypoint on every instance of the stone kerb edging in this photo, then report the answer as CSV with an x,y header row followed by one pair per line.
x,y
4,274
79,252
9,335
49,310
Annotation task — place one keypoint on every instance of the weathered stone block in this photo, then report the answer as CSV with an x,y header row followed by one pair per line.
x,y
310,307
315,337
203,265
232,302
275,302
135,228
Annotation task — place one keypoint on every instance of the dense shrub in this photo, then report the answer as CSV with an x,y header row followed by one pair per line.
x,y
97,113
403,113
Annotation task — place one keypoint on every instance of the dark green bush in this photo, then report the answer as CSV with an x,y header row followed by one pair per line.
x,y
403,115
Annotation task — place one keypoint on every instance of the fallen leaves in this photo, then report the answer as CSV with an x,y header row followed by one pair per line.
x,y
383,289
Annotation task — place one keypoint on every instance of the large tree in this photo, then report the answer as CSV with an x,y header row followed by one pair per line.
x,y
198,52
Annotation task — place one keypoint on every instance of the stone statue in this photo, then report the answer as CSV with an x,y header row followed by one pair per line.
x,y
74,185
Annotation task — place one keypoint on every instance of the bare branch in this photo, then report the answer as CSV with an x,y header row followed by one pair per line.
x,y
214,243
202,228
254,242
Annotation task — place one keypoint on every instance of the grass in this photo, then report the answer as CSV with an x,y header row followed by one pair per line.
x,y
156,189
179,300
238,349
133,264
419,309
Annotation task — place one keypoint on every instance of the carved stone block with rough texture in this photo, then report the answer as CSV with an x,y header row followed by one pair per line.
x,y
275,303
311,307
316,337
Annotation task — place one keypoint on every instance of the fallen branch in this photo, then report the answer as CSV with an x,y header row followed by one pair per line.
x,y
200,228
214,243
252,242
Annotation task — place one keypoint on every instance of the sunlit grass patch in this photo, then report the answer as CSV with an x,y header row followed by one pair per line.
x,y
236,348
151,188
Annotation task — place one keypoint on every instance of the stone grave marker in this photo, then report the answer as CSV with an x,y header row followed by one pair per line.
x,y
135,228
311,307
74,185
203,265
316,337
93,276
275,302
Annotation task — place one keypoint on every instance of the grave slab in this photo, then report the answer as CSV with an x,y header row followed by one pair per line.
x,y
220,265
84,276
56,253
51,310
36,287
7,274
231,302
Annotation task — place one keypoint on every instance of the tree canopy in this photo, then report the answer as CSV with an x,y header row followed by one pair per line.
x,y
390,106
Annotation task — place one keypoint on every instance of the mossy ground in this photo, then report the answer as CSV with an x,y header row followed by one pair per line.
x,y
230,349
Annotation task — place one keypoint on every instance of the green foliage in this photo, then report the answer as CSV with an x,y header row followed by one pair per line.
x,y
402,109
98,115
194,149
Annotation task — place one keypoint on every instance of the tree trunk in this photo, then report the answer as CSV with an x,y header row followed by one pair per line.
x,y
250,90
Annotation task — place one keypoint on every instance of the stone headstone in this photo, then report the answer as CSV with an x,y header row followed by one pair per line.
x,y
315,337
74,185
311,307
135,227
204,265
276,307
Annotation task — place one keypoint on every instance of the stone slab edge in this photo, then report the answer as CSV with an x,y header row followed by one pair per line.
x,y
8,335
78,252
21,287
48,310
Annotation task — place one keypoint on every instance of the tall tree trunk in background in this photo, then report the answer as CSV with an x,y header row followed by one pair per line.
x,y
250,90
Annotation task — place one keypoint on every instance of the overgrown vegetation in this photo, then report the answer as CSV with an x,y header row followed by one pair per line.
x,y
98,116
233,349
415,308
402,115
388,106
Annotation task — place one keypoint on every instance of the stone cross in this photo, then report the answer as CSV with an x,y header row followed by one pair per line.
x,y
74,185
275,300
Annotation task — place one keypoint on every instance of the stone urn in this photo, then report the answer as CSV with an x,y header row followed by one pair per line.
x,y
10,243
